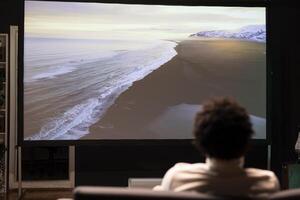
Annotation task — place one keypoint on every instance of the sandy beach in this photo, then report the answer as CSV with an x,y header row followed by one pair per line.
x,y
202,69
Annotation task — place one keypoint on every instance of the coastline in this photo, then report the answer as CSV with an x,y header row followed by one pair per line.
x,y
190,77
73,109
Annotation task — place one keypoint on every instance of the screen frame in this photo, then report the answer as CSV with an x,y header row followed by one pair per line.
x,y
138,142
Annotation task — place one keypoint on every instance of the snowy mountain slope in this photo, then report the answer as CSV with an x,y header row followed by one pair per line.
x,y
251,32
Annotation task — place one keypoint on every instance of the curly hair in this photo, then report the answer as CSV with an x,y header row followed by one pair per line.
x,y
223,129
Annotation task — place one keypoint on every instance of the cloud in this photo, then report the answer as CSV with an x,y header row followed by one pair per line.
x,y
68,17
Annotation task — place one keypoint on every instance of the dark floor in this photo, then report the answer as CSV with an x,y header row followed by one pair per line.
x,y
40,194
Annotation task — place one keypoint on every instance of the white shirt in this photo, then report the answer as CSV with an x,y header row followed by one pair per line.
x,y
220,177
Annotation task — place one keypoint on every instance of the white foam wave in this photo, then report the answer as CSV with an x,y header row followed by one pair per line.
x,y
76,115
57,70
75,122
63,66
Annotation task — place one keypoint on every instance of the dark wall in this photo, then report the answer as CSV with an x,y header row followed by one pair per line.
x,y
10,14
283,89
113,165
285,98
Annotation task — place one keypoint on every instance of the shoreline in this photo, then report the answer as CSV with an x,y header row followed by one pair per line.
x,y
156,56
176,81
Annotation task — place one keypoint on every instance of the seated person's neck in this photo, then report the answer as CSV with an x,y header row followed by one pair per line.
x,y
225,165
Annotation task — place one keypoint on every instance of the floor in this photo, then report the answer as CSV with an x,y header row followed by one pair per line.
x,y
40,194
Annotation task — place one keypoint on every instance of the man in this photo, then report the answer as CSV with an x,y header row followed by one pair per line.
x,y
222,132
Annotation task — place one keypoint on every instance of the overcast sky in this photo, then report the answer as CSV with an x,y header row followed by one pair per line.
x,y
116,21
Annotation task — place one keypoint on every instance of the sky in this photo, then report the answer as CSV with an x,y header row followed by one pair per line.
x,y
73,20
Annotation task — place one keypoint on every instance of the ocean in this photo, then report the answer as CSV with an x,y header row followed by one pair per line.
x,y
70,83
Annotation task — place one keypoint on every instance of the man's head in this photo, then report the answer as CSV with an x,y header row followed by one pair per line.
x,y
223,129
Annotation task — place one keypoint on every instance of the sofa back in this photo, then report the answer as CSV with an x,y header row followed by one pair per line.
x,y
118,193
293,194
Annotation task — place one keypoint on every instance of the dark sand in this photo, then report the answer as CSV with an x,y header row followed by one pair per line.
x,y
202,69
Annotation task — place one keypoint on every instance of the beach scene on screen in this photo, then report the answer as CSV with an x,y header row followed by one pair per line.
x,y
95,71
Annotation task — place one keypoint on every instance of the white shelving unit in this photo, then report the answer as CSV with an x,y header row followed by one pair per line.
x,y
14,159
3,111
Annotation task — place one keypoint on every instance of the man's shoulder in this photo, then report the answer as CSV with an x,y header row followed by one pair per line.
x,y
260,172
189,165
177,172
264,179
183,167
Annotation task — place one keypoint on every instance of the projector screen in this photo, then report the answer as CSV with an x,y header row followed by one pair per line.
x,y
96,71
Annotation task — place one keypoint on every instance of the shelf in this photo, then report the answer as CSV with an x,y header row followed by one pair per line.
x,y
2,133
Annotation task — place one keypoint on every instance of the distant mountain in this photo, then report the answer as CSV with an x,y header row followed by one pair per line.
x,y
251,32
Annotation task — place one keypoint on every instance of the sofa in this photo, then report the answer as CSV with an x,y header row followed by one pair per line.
x,y
117,193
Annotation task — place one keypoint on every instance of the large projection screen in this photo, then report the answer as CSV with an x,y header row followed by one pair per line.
x,y
96,71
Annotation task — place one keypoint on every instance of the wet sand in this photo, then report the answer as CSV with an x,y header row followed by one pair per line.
x,y
202,69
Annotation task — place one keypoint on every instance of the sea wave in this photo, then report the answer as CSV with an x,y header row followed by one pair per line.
x,y
63,66
75,122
